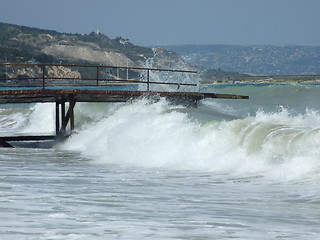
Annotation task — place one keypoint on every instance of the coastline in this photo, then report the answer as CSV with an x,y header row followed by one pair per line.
x,y
263,82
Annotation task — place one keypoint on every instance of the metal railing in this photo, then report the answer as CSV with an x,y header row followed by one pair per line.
x,y
42,76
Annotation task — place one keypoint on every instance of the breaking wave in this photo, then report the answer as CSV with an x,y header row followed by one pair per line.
x,y
157,135
220,136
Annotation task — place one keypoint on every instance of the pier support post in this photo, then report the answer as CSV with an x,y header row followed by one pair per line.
x,y
57,118
69,116
63,113
65,117
73,103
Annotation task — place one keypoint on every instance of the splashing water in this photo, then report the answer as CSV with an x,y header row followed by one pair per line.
x,y
149,170
217,137
144,134
169,77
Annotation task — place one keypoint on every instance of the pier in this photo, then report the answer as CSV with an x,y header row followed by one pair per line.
x,y
63,85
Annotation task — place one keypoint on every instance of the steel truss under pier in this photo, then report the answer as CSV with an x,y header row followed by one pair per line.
x,y
65,92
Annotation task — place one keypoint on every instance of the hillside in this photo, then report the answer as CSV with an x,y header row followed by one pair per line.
x,y
20,44
269,60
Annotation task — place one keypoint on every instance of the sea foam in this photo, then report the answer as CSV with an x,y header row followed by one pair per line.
x,y
155,135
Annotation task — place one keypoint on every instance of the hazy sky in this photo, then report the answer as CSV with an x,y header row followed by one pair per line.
x,y
164,22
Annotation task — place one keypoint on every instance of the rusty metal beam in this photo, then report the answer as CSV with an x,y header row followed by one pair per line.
x,y
39,95
225,96
27,138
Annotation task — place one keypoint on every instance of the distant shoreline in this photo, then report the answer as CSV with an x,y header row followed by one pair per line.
x,y
262,83
266,80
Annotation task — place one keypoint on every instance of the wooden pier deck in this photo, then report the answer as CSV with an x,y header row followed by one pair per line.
x,y
39,86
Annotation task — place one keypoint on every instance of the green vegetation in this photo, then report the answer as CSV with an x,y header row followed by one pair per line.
x,y
22,55
13,49
21,44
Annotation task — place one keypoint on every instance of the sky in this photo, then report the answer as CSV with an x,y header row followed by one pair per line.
x,y
174,22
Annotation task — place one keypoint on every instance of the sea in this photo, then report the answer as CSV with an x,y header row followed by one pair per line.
x,y
147,169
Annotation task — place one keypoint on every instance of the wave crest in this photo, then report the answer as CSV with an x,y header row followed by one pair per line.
x,y
144,134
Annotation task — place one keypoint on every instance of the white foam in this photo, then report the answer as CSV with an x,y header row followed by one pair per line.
x,y
145,134
41,119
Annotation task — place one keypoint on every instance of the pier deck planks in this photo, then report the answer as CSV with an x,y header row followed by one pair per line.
x,y
47,95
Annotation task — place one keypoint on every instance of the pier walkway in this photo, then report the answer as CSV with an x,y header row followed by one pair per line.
x,y
66,84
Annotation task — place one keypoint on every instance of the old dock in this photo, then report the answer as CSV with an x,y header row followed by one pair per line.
x,y
67,84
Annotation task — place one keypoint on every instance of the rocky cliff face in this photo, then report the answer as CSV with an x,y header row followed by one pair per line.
x,y
53,71
88,53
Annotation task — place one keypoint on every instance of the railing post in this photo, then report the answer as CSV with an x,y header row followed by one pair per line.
x,y
97,77
43,76
148,80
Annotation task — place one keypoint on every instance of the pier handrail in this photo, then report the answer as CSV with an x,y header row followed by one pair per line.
x,y
44,78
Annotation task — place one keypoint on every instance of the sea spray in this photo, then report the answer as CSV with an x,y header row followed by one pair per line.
x,y
154,135
167,76
40,119
280,144
14,118
90,113
11,120
275,141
